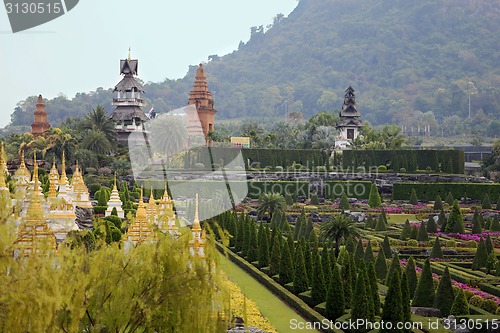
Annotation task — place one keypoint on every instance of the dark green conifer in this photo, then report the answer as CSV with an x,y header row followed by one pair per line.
x,y
495,224
253,245
288,199
350,245
411,274
318,285
344,202
460,305
308,260
422,235
286,265
314,199
386,246
406,232
327,267
347,280
369,257
298,225
381,265
372,278
368,292
414,232
481,256
335,301
381,225
360,305
405,298
442,220
444,294
486,204
431,225
489,244
274,264
300,280
438,203
359,253
413,197
424,294
436,249
393,306
477,228
369,222
395,265
374,199
455,221
449,199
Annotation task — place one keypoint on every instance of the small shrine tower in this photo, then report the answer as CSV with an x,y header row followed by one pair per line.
x,y
40,123
128,115
202,100
349,121
115,202
198,238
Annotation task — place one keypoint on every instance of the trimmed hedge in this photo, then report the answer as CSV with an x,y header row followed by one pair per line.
x,y
265,157
205,188
293,301
353,189
429,191
447,161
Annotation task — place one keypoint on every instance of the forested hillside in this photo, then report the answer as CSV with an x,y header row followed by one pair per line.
x,y
414,63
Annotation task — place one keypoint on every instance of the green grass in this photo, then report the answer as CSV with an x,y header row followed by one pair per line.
x,y
400,218
273,308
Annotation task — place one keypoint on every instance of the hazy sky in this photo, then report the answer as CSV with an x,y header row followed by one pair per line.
x,y
80,51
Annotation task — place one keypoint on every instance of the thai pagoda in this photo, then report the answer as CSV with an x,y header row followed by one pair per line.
x,y
40,124
128,115
349,121
201,114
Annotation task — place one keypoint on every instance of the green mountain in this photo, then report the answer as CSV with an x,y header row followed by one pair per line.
x,y
404,58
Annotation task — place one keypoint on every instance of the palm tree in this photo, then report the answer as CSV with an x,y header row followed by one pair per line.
x,y
97,142
271,203
337,228
168,134
98,120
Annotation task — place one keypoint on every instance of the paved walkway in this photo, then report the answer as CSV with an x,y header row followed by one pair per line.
x,y
274,309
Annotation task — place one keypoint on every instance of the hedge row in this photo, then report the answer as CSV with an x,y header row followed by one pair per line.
x,y
353,189
293,301
447,161
207,188
265,157
429,191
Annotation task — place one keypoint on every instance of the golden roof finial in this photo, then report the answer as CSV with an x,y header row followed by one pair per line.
x,y
64,178
140,199
129,54
2,172
196,224
151,196
22,171
35,174
114,185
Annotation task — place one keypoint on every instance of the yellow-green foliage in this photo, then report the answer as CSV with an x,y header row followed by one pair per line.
x,y
152,287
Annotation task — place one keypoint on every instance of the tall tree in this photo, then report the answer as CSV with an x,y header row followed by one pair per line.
x,y
393,306
444,294
338,228
455,221
271,203
374,199
424,294
318,284
335,300
300,279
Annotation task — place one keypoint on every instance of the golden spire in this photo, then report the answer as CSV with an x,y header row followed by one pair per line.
x,y
53,178
196,224
2,174
34,212
140,214
114,185
35,172
115,196
64,179
22,171
129,54
3,158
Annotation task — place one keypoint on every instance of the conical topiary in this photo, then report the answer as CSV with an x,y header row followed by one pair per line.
x,y
395,265
335,302
424,294
380,226
438,203
393,306
360,308
372,278
460,306
449,199
344,202
300,281
286,265
347,279
477,228
422,235
431,226
455,221
359,253
326,265
350,245
386,246
405,298
436,249
495,224
414,232
263,250
413,197
381,265
274,262
411,274
481,256
318,285
489,244
442,220
406,232
486,204
444,294
374,199
369,257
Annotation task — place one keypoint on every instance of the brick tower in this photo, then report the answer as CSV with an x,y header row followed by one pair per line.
x,y
40,123
201,98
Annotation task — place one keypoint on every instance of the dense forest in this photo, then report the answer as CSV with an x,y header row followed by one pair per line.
x,y
413,63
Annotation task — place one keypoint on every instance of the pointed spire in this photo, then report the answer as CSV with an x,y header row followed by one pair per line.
x,y
2,172
141,202
114,185
35,172
64,179
196,223
129,58
53,180
3,158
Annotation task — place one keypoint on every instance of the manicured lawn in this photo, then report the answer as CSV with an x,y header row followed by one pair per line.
x,y
400,218
274,309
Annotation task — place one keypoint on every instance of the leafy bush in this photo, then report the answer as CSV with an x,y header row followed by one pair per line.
x,y
382,168
489,305
476,301
104,171
412,243
471,244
